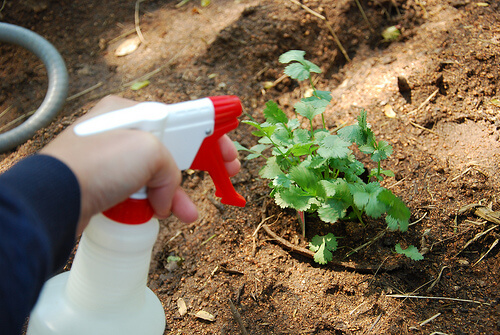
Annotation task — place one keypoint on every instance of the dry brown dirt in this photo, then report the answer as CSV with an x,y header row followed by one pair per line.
x,y
444,134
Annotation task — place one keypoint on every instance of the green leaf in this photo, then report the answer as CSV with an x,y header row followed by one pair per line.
x,y
274,114
302,136
322,246
311,66
258,148
304,178
332,210
333,146
292,55
255,151
297,71
366,198
281,137
308,110
320,135
317,102
374,173
302,149
352,134
410,252
392,223
359,133
252,123
388,173
383,151
368,148
282,181
293,197
325,95
315,162
362,120
271,170
398,215
239,147
293,124
329,187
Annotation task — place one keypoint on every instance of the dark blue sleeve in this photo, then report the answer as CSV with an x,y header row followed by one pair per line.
x,y
39,211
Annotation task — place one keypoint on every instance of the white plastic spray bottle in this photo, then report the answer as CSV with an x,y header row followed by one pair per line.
x,y
105,291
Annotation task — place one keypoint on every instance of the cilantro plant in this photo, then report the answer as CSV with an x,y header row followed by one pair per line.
x,y
314,170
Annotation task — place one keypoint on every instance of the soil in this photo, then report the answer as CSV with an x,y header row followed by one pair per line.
x,y
444,131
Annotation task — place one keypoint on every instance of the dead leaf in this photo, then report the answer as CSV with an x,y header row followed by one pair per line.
x,y
205,316
139,84
181,304
495,102
389,111
128,46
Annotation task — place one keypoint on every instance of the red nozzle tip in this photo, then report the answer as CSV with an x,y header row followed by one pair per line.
x,y
226,106
131,211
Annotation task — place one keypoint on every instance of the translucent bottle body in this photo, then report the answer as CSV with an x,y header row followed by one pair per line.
x,y
105,292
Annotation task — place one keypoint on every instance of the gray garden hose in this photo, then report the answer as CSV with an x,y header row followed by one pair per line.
x,y
56,92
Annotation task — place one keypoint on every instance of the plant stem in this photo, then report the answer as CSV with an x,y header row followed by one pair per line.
x,y
281,152
358,214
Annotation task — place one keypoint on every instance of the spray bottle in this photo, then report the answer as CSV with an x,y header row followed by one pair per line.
x,y
105,291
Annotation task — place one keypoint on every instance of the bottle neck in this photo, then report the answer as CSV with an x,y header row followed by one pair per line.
x,y
111,264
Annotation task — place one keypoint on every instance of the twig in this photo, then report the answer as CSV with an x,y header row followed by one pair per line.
x,y
285,243
239,292
6,111
208,239
355,309
16,120
364,15
308,253
378,269
375,323
433,94
318,15
488,214
423,128
487,252
437,298
423,323
3,5
155,71
237,317
461,174
230,271
396,183
261,223
370,242
415,222
85,91
179,232
136,19
125,34
475,238
437,279
421,6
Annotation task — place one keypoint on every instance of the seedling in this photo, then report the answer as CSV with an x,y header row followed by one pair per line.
x,y
314,170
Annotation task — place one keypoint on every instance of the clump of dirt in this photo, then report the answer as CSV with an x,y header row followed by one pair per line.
x,y
432,94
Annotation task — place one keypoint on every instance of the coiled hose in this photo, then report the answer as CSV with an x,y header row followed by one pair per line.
x,y
57,88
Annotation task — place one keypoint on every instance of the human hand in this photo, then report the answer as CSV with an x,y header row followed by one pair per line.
x,y
113,165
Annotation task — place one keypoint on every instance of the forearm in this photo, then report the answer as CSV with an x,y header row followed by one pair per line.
x,y
39,211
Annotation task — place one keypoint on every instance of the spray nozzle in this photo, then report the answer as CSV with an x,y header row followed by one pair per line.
x,y
190,130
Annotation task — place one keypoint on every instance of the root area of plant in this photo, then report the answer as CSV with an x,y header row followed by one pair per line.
x,y
432,93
